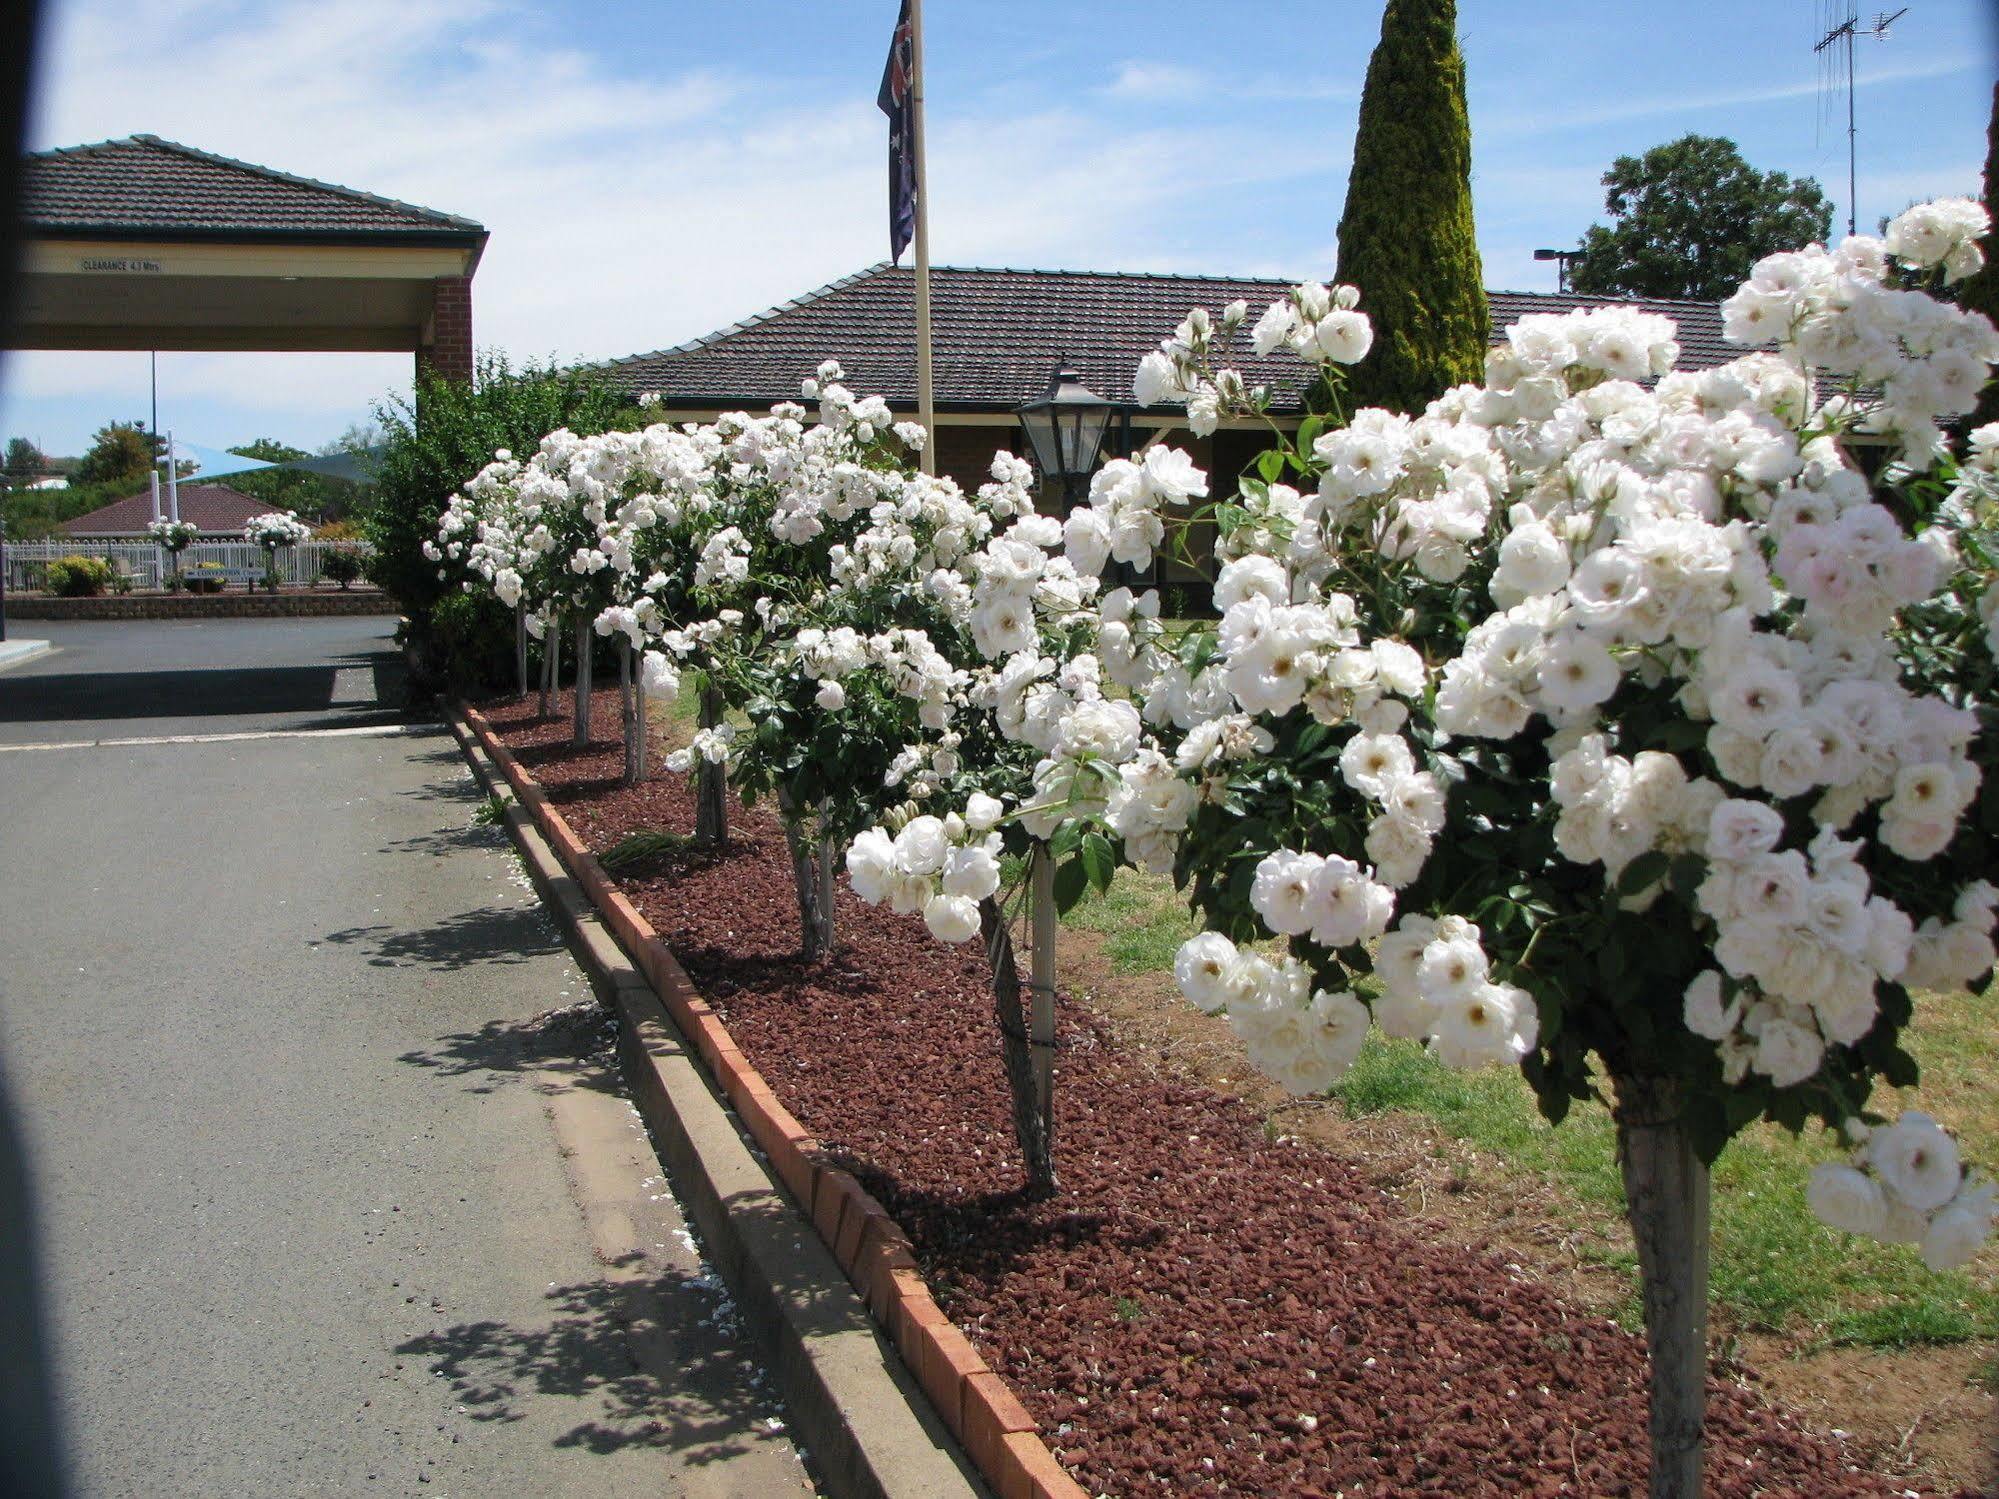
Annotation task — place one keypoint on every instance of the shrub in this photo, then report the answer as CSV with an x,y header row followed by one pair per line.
x,y
432,442
341,567
471,637
78,577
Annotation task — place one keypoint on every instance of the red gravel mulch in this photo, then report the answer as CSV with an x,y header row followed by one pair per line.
x,y
1202,1310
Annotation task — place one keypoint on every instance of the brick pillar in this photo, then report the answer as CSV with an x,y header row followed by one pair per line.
x,y
447,349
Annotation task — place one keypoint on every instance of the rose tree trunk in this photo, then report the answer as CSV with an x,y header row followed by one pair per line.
x,y
815,903
1030,1124
1666,1199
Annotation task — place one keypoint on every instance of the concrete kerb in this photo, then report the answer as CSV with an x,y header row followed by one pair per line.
x,y
856,1408
17,652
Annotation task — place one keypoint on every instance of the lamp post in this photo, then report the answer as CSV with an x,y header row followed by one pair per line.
x,y
1561,259
1066,428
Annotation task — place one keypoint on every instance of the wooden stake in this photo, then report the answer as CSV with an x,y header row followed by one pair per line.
x,y
551,655
711,782
1010,1015
1666,1194
521,648
1042,1032
581,734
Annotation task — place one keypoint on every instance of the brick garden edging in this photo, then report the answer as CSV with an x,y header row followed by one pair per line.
x,y
974,1403
204,606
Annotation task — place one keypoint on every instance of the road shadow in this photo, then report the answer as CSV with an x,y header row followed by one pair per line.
x,y
567,1048
437,843
207,692
513,934
600,1344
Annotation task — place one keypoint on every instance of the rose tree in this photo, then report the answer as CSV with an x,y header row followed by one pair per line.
x,y
270,531
1627,733
175,536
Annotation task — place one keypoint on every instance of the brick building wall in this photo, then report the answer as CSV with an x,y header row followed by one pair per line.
x,y
449,350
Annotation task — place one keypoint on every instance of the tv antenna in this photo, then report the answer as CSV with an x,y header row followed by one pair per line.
x,y
1844,33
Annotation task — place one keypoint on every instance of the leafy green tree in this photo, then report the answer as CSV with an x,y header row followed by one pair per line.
x,y
1980,293
1407,239
24,464
1690,218
315,497
436,440
120,453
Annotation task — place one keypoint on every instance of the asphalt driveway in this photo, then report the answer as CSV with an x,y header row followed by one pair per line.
x,y
164,677
325,1207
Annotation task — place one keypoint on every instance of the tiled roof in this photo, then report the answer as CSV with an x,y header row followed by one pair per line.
x,y
998,334
146,185
216,509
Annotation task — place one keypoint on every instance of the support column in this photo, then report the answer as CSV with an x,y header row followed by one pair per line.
x,y
446,349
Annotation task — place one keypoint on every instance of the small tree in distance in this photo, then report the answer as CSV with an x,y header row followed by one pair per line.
x,y
1690,219
24,463
121,452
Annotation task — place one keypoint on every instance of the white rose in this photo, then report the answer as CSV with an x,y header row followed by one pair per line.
x,y
1739,830
920,847
1847,1199
951,918
1703,1010
971,872
1916,1161
1958,1230
1787,1054
1201,968
870,862
831,696
1282,892
982,812
1491,1023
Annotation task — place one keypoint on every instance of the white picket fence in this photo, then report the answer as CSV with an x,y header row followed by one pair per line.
x,y
145,564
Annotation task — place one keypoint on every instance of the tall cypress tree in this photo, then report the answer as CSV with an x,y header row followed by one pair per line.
x,y
1406,237
1980,293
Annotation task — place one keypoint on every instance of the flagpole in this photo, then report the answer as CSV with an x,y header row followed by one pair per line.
x,y
925,403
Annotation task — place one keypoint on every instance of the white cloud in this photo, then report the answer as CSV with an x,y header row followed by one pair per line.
x,y
625,214
1136,79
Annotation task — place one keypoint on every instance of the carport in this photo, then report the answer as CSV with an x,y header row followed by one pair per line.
x,y
143,243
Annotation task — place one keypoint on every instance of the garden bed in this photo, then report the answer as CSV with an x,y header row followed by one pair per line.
x,y
1208,1306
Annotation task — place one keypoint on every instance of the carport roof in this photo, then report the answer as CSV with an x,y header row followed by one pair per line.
x,y
144,187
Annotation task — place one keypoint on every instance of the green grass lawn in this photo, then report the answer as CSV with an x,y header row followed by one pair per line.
x,y
1774,1268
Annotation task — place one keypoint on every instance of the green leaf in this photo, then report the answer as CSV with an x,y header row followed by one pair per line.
x,y
1099,860
1643,872
1070,883
1270,465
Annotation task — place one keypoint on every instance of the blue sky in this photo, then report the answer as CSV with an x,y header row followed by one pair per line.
x,y
651,171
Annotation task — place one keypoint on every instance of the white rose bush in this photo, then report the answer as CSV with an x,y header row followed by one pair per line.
x,y
271,530
1626,725
1624,734
173,537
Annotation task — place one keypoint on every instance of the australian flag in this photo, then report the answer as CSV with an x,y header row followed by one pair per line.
x,y
898,101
